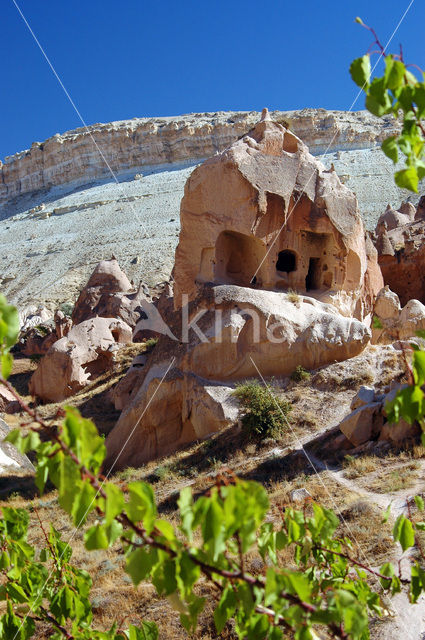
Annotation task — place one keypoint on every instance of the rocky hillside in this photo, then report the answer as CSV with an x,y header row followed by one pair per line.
x,y
61,211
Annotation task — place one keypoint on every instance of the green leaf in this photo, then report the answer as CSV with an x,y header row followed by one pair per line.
x,y
360,71
140,563
225,608
148,631
96,538
83,504
6,365
394,72
141,507
390,148
114,501
403,532
417,586
212,528
419,367
407,179
185,504
419,501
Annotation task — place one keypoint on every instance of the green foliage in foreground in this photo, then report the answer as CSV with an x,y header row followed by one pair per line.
x,y
320,584
263,413
400,93
409,402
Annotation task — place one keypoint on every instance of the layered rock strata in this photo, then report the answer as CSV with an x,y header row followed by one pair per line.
x,y
73,157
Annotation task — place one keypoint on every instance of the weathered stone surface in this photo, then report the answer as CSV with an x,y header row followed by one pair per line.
x,y
242,329
396,323
401,248
76,359
300,495
8,402
364,395
72,157
387,304
109,294
165,416
11,460
369,421
400,432
242,218
363,423
122,393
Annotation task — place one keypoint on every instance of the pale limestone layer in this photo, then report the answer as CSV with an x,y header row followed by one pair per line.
x,y
51,237
75,155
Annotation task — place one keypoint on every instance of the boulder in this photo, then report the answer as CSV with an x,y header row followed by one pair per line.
x,y
8,402
400,432
300,495
365,395
121,394
238,332
265,213
168,413
33,316
396,323
11,460
109,294
363,424
387,304
369,421
76,359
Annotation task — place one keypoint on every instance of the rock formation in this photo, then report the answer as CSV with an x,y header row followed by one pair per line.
x,y
401,248
266,213
73,361
11,460
109,294
239,329
72,156
396,323
368,420
61,212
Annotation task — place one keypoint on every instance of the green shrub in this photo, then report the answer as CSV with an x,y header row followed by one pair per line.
x,y
263,413
300,374
67,308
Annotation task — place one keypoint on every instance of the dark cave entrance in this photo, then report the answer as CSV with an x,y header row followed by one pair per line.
x,y
286,261
312,280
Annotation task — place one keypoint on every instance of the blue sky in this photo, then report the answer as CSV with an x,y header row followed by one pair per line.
x,y
128,58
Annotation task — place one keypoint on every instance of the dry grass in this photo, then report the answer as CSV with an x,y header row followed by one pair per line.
x,y
339,380
293,296
197,466
356,467
392,480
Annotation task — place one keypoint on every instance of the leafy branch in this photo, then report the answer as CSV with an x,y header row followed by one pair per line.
x,y
400,93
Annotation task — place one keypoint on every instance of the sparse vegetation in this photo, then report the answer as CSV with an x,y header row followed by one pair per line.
x,y
293,296
389,481
263,412
355,467
300,374
67,308
150,343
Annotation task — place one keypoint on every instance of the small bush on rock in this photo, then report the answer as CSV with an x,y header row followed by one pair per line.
x,y
300,374
263,413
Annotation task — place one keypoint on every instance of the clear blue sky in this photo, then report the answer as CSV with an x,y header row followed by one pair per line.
x,y
125,58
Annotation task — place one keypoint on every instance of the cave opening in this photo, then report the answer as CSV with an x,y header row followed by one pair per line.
x,y
286,261
312,280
